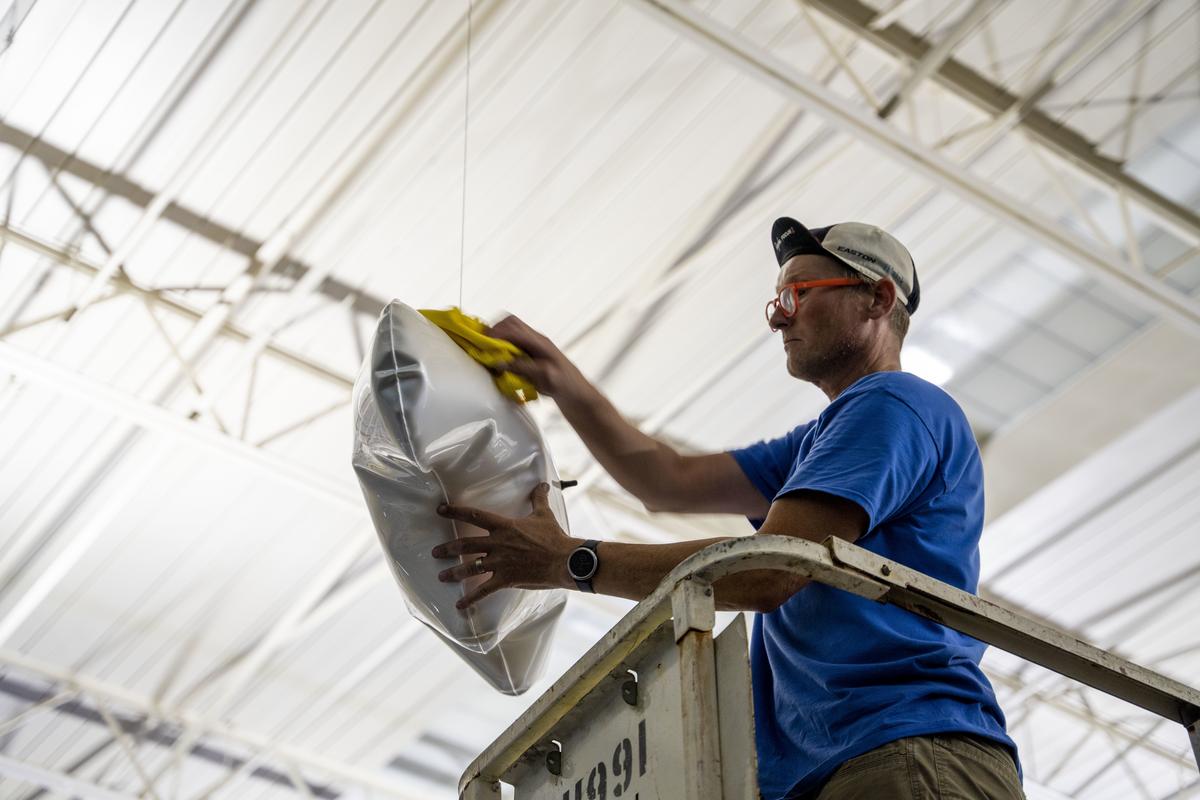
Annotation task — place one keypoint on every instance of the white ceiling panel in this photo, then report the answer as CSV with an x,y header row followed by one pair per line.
x,y
232,190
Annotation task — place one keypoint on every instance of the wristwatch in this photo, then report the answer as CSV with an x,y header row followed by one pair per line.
x,y
582,565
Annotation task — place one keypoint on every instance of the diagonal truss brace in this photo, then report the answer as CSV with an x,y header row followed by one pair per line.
x,y
150,416
57,781
1155,296
183,722
123,285
995,101
56,159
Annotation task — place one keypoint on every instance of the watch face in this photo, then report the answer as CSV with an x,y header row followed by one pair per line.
x,y
582,564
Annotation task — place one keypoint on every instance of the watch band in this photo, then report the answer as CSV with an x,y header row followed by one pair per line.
x,y
585,584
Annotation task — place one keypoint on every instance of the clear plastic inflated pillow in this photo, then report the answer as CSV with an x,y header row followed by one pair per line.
x,y
431,427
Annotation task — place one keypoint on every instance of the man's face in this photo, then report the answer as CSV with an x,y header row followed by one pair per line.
x,y
825,332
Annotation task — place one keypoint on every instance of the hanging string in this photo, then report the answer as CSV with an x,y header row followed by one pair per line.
x,y
466,119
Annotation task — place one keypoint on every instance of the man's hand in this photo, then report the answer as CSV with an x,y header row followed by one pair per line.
x,y
544,365
526,553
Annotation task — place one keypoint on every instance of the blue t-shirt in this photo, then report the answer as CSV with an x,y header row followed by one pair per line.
x,y
834,674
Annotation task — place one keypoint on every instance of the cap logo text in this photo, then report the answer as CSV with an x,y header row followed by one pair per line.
x,y
859,253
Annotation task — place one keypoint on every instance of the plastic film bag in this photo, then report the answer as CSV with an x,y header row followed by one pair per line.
x,y
431,427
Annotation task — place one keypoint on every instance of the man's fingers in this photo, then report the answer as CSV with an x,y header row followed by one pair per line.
x,y
476,516
523,366
515,330
512,325
463,546
460,572
479,592
540,498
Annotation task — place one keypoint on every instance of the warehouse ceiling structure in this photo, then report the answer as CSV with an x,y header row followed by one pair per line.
x,y
205,205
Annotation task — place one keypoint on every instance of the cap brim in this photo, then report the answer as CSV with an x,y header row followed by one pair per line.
x,y
790,239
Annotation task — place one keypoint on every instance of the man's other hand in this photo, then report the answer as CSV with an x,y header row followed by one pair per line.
x,y
544,364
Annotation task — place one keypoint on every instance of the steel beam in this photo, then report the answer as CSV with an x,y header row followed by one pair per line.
x,y
48,704
937,55
192,221
157,734
57,781
188,721
897,10
153,417
235,107
122,284
1155,296
994,100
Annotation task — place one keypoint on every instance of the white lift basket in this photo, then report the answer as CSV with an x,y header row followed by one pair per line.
x,y
658,710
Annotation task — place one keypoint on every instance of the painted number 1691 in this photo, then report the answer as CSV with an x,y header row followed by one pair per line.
x,y
622,767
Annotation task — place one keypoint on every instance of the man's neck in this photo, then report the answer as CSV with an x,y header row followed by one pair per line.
x,y
834,385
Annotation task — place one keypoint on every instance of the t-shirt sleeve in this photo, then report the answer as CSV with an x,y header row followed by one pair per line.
x,y
768,463
873,450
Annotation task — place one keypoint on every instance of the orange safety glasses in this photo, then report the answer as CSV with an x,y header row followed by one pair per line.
x,y
789,296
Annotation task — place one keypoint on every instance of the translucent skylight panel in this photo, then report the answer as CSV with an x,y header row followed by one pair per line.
x,y
1175,261
984,323
998,388
1089,326
1023,287
1133,312
1186,277
1046,358
1055,265
940,340
1169,163
1160,248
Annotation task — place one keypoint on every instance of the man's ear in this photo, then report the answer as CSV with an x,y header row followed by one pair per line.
x,y
883,299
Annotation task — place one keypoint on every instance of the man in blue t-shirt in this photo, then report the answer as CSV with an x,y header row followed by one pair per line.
x,y
852,698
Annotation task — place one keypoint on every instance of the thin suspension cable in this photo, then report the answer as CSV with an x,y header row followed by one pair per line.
x,y
592,131
551,77
352,241
462,226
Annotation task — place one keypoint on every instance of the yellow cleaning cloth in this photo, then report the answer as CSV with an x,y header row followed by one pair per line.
x,y
467,333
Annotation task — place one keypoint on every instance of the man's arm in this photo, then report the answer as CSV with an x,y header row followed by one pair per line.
x,y
531,552
653,471
650,470
635,570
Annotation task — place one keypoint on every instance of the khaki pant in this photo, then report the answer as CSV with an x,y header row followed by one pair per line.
x,y
948,767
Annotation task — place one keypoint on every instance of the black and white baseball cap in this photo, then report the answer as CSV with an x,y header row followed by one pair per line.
x,y
870,251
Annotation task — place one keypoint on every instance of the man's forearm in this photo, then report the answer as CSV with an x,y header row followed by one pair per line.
x,y
634,571
639,463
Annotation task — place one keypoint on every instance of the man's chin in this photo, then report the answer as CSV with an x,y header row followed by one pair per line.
x,y
806,370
